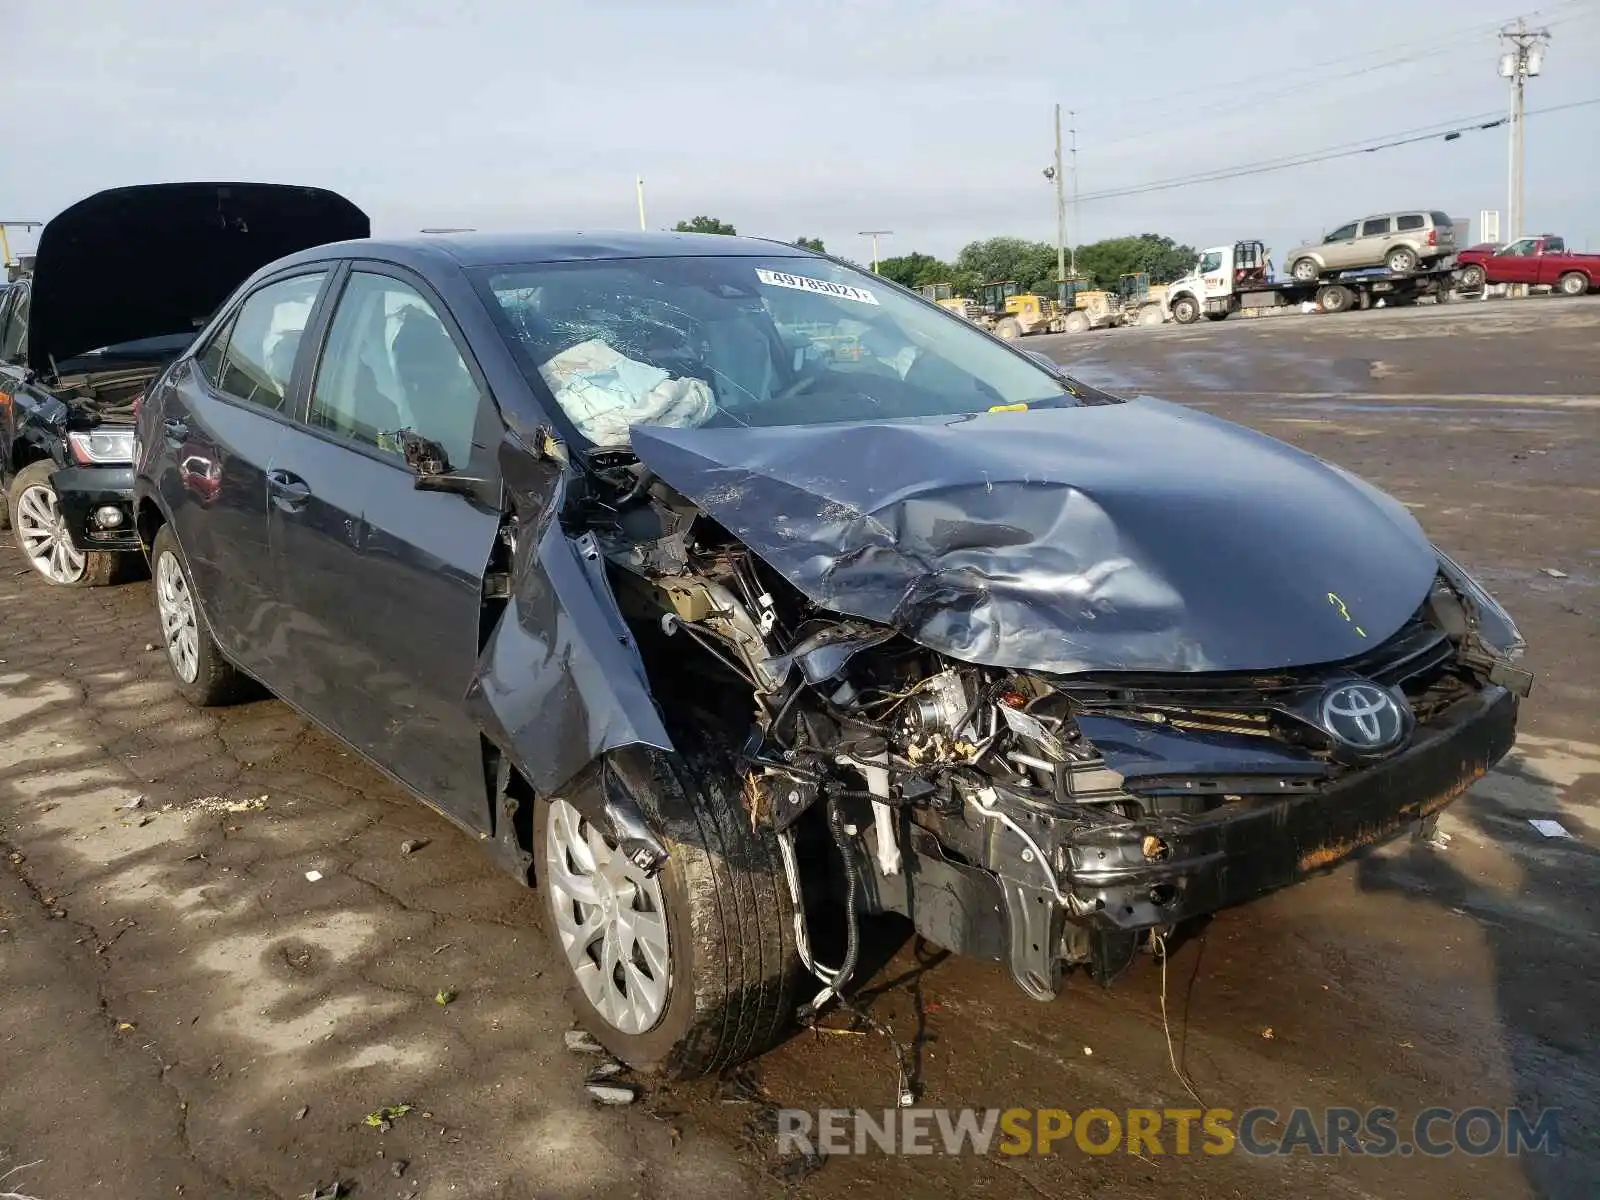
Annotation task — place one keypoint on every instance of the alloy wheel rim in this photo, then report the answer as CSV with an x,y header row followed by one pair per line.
x,y
610,919
175,603
42,532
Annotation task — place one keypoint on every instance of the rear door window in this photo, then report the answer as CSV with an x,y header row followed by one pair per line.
x,y
1442,220
391,364
1377,227
259,351
1409,222
1555,245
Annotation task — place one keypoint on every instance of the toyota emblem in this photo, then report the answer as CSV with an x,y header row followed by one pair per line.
x,y
1363,716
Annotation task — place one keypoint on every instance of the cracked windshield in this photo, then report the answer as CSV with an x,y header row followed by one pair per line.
x,y
750,341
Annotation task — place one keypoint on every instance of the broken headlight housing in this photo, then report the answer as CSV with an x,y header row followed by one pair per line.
x,y
101,446
1495,628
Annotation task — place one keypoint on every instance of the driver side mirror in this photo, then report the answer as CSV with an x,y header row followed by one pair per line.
x,y
431,466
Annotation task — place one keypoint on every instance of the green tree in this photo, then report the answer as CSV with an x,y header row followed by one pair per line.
x,y
1159,257
704,225
1031,264
914,270
810,243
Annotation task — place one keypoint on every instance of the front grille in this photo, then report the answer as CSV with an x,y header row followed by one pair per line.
x,y
1419,660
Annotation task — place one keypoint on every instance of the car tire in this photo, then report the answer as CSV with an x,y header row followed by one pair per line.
x,y
1402,260
1077,322
727,961
1573,283
1008,328
1473,277
1185,311
203,675
1335,298
41,533
1217,316
1305,270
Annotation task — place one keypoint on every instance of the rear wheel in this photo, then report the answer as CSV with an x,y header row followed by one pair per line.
x,y
41,531
1305,270
203,675
1573,283
1185,311
1217,316
1402,260
1077,322
1008,328
694,969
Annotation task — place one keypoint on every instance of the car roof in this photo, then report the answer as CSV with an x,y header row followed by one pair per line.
x,y
500,249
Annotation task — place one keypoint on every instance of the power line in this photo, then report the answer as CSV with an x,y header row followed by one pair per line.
x,y
1306,82
1464,125
1304,76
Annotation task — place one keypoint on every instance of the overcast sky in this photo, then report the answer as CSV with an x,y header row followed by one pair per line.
x,y
928,117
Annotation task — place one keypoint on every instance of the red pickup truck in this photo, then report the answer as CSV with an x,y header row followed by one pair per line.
x,y
1538,260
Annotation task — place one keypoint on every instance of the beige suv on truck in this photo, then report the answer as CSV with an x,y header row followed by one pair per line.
x,y
1400,241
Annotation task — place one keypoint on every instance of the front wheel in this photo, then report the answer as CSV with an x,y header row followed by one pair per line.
x,y
41,531
1473,277
1185,311
1008,328
1077,322
695,968
1573,283
1305,270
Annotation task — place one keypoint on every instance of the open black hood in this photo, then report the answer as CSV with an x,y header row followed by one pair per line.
x,y
1139,536
140,262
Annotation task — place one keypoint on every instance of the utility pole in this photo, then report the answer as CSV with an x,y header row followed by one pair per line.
x,y
875,234
639,185
1523,57
1073,133
1061,207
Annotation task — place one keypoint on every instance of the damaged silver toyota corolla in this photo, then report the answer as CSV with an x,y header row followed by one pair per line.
x,y
731,594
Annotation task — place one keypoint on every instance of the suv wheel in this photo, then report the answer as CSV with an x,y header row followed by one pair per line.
x,y
1305,270
41,533
691,970
1402,260
204,676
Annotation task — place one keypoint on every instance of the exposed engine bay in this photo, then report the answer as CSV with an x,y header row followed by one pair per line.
x,y
1039,819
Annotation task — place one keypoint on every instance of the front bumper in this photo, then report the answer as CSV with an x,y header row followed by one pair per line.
x,y
82,491
1158,871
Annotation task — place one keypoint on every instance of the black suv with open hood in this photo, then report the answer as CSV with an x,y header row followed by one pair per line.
x,y
118,287
731,593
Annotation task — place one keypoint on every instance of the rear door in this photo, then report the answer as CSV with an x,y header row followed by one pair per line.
x,y
1375,240
386,580
222,413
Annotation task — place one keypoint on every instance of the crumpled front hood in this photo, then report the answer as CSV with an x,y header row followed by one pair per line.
x,y
1141,536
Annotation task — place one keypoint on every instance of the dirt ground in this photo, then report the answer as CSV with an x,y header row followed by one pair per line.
x,y
186,1012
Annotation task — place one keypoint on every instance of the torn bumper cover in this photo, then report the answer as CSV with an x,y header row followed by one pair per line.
x,y
1161,870
1086,886
87,496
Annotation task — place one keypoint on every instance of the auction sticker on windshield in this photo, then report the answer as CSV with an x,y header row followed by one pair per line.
x,y
804,283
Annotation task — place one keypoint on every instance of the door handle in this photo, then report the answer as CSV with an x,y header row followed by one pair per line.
x,y
176,430
287,490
